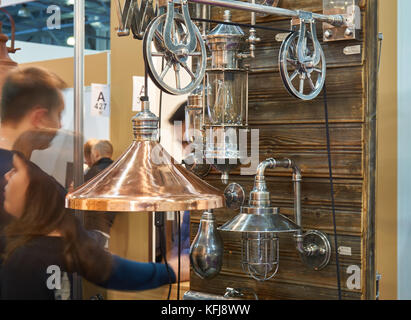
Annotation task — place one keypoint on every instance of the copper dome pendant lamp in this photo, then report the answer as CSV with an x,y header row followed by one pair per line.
x,y
145,178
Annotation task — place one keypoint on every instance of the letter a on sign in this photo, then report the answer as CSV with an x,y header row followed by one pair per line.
x,y
100,100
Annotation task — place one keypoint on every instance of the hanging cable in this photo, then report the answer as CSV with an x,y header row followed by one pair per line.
x,y
179,253
159,222
160,104
332,191
145,79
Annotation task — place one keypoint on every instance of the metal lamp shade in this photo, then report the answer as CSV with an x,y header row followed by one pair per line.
x,y
145,178
268,221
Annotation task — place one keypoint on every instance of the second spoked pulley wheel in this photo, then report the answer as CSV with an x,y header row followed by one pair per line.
x,y
178,72
302,64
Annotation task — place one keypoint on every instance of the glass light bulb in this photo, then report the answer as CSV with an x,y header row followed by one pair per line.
x,y
206,252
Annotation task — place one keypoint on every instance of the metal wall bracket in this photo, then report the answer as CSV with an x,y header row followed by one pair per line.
x,y
377,280
316,242
234,196
352,18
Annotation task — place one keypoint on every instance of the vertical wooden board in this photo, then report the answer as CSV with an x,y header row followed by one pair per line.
x,y
293,128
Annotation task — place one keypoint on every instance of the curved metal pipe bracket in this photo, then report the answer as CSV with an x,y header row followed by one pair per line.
x,y
178,48
303,58
316,249
313,246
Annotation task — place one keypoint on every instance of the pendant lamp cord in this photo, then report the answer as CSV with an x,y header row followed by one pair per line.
x,y
145,79
160,105
332,191
159,222
179,253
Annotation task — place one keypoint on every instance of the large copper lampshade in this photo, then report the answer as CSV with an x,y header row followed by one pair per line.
x,y
145,178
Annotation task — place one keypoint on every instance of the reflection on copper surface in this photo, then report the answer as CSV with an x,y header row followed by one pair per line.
x,y
145,178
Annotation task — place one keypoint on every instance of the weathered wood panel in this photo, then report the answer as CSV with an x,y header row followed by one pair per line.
x,y
295,129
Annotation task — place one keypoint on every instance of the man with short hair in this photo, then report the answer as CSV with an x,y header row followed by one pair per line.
x,y
31,101
100,156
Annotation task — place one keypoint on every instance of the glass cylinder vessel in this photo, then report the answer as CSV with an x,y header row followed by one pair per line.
x,y
194,117
226,97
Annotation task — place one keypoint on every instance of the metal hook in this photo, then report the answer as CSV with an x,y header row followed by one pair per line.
x,y
303,58
168,41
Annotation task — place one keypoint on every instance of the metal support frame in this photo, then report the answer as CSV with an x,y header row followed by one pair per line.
x,y
335,20
79,32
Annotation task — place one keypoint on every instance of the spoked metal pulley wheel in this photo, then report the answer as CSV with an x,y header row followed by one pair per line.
x,y
174,71
302,64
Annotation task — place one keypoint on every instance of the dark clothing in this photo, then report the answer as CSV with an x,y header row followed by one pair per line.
x,y
6,164
36,271
96,168
94,220
185,233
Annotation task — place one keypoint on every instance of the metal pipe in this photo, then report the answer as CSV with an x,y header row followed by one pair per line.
x,y
252,39
195,295
336,20
297,178
78,158
78,91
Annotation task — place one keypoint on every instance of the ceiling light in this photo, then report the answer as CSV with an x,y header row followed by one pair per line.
x,y
24,12
71,41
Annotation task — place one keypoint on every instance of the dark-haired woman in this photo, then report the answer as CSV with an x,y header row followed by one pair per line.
x,y
45,244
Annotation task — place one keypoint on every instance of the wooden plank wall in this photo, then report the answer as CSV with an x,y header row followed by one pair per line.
x,y
296,129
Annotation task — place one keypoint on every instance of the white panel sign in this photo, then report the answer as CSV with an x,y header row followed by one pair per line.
x,y
6,3
100,100
344,251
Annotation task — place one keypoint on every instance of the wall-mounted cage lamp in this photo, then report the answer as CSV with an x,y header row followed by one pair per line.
x,y
260,224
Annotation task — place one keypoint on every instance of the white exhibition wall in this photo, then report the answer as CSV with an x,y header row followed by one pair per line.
x,y
54,160
404,151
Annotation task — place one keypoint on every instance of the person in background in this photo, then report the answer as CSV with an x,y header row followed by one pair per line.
x,y
87,154
100,156
101,153
46,244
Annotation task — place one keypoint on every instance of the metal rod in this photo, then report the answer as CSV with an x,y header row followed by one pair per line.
x,y
79,31
243,25
336,20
